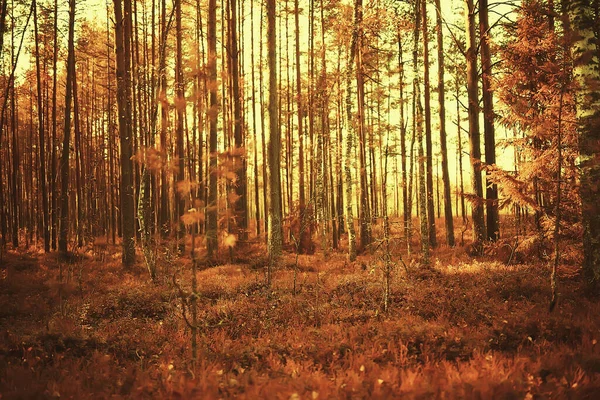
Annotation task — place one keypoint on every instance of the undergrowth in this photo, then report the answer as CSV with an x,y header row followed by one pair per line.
x,y
460,328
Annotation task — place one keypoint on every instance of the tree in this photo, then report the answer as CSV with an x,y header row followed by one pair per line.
x,y
274,154
180,107
240,205
350,127
364,214
418,127
474,134
213,112
584,17
428,139
123,52
443,146
488,121
42,145
304,238
64,162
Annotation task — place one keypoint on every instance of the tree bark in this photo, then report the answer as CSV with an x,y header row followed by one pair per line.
x,y
180,106
428,139
274,145
448,216
64,162
42,142
364,214
587,76
493,223
211,207
474,134
123,51
240,206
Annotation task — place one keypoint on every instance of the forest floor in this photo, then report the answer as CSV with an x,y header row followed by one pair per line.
x,y
462,328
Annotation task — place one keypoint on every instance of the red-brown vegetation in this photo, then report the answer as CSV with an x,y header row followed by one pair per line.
x,y
461,328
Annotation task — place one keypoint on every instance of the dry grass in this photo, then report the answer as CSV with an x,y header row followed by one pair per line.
x,y
462,328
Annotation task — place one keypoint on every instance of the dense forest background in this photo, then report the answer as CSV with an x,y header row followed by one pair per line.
x,y
397,140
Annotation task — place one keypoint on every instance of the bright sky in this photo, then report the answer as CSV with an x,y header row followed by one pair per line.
x,y
95,10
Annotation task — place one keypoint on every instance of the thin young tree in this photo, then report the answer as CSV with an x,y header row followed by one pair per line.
x,y
241,204
428,134
180,106
42,135
274,145
349,156
213,112
64,162
364,214
448,216
492,216
422,191
474,134
123,70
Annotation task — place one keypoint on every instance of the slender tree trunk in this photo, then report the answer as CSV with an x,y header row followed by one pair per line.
x,y
493,223
274,187
42,142
364,214
64,162
474,135
241,205
211,210
422,200
53,191
123,50
164,219
180,106
459,151
405,211
351,129
443,146
428,139
304,230
78,162
254,125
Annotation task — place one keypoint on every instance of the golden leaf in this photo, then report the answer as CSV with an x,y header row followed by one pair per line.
x,y
191,217
232,176
185,187
233,197
229,240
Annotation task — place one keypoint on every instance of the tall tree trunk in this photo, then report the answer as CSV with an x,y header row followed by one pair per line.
x,y
428,139
444,148
64,162
493,223
78,163
254,125
213,113
274,155
364,214
164,220
405,212
53,165
474,135
180,106
42,142
304,223
241,205
422,201
351,129
123,51
587,75
459,152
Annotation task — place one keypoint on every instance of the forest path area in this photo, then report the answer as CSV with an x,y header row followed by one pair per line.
x,y
476,328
